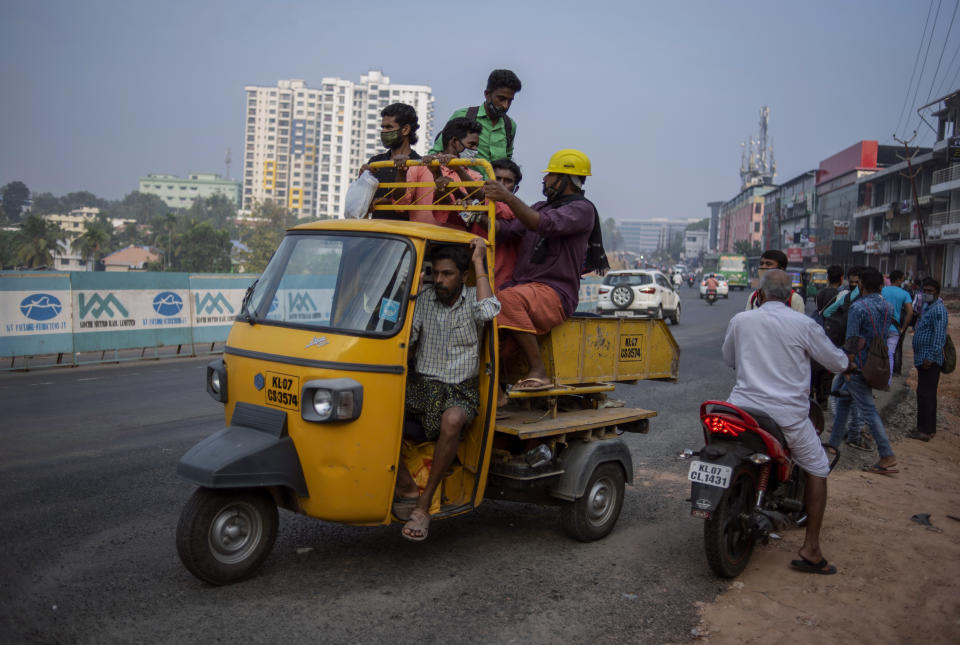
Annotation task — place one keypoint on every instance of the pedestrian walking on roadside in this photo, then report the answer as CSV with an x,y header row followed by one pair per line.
x,y
869,317
928,340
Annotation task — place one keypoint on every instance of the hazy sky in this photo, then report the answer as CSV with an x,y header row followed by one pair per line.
x,y
660,95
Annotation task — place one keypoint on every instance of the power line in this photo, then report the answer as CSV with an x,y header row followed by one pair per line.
x,y
923,66
948,68
916,60
946,39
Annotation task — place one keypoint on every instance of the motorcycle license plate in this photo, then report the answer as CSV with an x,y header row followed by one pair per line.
x,y
703,472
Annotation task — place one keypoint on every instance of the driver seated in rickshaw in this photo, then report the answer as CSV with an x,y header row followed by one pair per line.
x,y
443,389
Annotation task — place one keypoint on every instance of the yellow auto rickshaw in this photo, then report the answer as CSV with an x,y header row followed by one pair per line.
x,y
313,377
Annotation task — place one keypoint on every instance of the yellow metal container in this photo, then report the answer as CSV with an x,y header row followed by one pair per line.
x,y
590,350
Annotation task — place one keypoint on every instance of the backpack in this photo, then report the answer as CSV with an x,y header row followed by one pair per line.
x,y
876,369
835,325
472,113
596,257
949,356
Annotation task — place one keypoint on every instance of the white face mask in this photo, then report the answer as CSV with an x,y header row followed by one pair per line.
x,y
469,153
928,298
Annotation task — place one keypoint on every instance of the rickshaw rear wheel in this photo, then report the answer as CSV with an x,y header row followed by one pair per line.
x,y
224,535
595,513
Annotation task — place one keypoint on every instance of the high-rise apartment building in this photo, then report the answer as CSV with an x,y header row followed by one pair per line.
x,y
304,146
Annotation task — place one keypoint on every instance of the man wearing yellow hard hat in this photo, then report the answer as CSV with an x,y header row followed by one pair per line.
x,y
559,240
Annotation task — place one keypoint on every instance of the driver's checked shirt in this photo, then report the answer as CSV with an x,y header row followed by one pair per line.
x,y
449,337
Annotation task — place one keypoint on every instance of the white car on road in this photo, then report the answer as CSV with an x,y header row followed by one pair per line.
x,y
638,293
723,289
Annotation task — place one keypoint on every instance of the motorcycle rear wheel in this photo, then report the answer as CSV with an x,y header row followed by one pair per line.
x,y
726,536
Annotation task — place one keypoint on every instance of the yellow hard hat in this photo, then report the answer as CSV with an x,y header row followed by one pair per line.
x,y
569,162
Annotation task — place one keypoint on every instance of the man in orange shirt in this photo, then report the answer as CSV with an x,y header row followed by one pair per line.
x,y
398,132
505,252
460,137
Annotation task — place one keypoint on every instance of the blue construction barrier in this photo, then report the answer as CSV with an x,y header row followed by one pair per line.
x,y
69,314
72,313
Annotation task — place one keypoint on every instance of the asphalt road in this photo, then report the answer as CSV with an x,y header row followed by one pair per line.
x,y
90,503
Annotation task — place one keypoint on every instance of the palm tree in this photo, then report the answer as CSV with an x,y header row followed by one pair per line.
x,y
95,240
38,240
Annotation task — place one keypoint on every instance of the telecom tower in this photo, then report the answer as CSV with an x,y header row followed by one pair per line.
x,y
757,166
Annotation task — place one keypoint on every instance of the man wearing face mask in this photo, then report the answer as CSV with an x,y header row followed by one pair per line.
x,y
559,241
505,254
774,259
398,132
499,130
460,137
928,341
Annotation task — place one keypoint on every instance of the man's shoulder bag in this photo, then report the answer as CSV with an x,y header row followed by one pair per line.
x,y
876,369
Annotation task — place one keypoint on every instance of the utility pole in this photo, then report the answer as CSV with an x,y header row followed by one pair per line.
x,y
912,176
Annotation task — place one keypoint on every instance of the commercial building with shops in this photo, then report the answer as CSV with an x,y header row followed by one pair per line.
x,y
789,213
918,234
741,218
837,189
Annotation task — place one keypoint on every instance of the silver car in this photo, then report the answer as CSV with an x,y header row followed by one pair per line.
x,y
638,293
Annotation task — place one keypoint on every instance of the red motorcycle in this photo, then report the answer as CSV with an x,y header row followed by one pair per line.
x,y
743,483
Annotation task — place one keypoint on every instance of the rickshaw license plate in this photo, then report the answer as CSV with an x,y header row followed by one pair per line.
x,y
703,472
282,390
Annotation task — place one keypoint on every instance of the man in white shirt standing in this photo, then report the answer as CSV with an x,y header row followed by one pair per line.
x,y
771,347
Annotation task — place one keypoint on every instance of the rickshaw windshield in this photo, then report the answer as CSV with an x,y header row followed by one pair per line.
x,y
346,283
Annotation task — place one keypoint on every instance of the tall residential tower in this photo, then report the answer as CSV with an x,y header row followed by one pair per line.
x,y
304,146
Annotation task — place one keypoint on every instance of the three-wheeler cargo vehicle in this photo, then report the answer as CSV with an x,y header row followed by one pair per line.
x,y
313,377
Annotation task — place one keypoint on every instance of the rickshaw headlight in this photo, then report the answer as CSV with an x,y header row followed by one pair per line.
x,y
322,404
337,399
217,380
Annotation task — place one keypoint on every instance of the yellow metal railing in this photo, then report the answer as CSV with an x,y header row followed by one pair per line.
x,y
474,191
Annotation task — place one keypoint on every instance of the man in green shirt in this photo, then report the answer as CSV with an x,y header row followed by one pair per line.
x,y
499,130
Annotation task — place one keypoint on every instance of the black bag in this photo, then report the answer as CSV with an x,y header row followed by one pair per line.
x,y
949,356
836,323
876,369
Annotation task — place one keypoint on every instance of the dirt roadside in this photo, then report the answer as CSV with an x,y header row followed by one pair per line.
x,y
898,581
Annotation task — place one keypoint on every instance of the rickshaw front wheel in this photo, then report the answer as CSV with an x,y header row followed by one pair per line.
x,y
595,513
224,535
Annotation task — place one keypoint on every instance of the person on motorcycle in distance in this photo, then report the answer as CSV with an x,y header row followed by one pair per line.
x,y
712,283
771,347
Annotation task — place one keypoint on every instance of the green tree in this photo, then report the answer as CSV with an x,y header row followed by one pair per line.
x,y
265,233
8,249
82,199
217,210
37,241
199,247
15,196
95,242
46,204
133,234
612,239
700,225
139,206
743,247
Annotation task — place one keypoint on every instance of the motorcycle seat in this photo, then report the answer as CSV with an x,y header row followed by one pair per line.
x,y
767,423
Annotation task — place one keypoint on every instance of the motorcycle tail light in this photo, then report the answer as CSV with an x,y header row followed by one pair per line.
x,y
648,290
723,426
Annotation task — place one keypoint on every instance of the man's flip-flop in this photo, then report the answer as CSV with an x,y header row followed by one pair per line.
x,y
403,507
532,385
419,522
877,469
805,566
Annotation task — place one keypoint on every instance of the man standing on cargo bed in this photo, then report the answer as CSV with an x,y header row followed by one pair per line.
x,y
499,130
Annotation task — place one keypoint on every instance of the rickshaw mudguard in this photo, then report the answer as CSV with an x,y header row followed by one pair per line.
x,y
579,460
254,451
